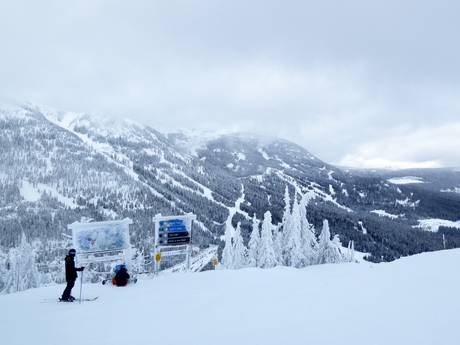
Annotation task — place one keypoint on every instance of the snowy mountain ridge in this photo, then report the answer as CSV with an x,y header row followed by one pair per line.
x,y
78,165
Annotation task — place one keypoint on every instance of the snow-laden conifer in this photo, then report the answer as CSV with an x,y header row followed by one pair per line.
x,y
3,269
287,205
294,253
227,253
240,251
267,257
280,237
278,244
21,272
328,251
351,251
308,236
254,243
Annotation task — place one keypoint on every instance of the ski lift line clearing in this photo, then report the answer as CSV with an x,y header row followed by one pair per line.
x,y
173,236
101,241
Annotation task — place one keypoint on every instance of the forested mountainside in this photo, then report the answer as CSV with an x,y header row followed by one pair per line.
x,y
60,167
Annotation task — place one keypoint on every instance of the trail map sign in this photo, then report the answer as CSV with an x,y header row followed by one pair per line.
x,y
101,241
173,236
173,231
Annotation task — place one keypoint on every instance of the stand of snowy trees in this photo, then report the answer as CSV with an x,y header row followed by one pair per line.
x,y
292,243
18,268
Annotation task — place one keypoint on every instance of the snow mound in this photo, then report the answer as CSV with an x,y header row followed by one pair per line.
x,y
451,190
383,213
406,180
434,224
324,304
32,193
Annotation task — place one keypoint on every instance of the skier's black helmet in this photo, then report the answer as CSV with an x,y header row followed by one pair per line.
x,y
72,252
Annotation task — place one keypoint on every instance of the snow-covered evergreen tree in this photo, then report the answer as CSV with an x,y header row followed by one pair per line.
x,y
138,263
21,272
278,243
240,252
328,251
351,251
267,257
287,205
280,234
254,243
228,253
294,253
308,236
3,270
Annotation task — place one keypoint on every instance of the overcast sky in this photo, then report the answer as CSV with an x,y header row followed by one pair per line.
x,y
361,83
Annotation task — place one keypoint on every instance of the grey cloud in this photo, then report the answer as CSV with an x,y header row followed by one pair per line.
x,y
334,76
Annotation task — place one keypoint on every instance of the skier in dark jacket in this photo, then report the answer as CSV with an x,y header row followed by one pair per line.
x,y
70,275
121,277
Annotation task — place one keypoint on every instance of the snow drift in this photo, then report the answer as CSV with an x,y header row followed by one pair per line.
x,y
409,301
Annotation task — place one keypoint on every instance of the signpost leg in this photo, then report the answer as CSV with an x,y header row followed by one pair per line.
x,y
189,250
81,284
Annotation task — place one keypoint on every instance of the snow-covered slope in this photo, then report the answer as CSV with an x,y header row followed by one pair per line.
x,y
64,166
407,302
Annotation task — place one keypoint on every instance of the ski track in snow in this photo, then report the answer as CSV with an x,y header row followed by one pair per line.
x,y
318,192
33,193
237,208
406,180
407,203
264,154
207,193
434,224
383,213
320,305
363,229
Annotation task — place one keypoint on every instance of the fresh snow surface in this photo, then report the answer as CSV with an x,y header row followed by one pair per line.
x,y
407,203
410,301
451,190
383,213
29,192
363,229
264,154
331,190
434,224
240,156
33,193
405,180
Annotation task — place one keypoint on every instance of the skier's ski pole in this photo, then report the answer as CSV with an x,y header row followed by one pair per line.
x,y
81,284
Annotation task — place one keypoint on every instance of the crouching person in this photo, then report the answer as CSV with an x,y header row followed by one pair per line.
x,y
121,276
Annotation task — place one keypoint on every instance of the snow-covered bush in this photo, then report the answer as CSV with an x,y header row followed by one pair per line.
x,y
328,251
227,253
240,252
293,251
267,257
254,243
20,272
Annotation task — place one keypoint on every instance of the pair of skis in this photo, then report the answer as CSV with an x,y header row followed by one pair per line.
x,y
77,300
109,281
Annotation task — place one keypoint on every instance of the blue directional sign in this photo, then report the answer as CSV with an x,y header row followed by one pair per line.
x,y
173,237
173,231
173,225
